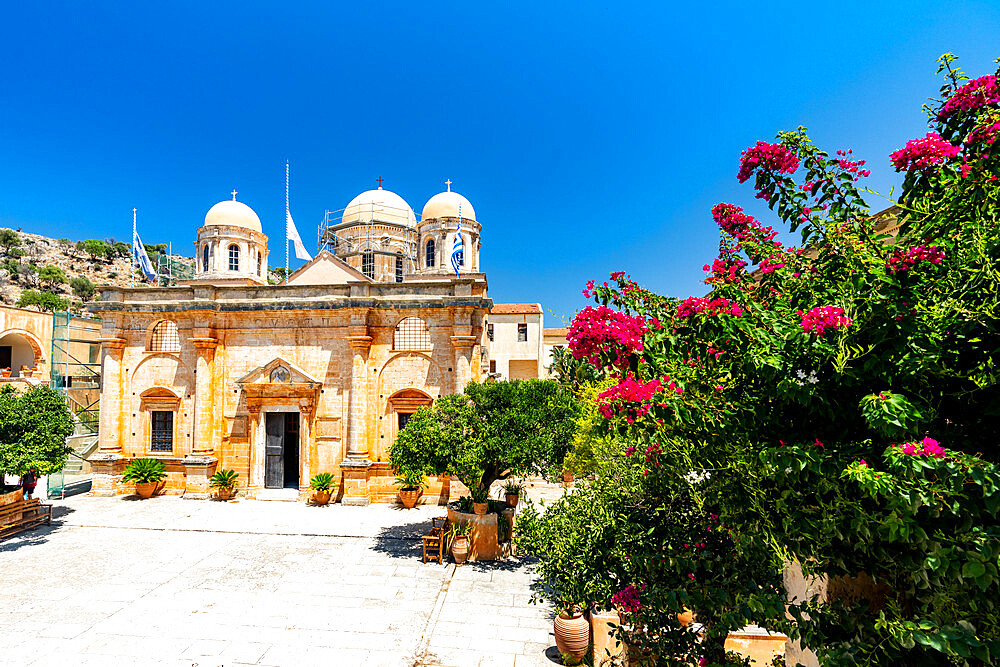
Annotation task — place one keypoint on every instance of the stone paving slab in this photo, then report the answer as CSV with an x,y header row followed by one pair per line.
x,y
174,582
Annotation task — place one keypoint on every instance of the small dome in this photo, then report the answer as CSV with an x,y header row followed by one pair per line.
x,y
446,205
379,206
232,212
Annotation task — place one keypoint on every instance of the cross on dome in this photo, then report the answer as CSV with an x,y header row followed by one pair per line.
x,y
379,179
233,193
448,183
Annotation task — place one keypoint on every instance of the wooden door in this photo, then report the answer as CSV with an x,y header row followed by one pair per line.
x,y
274,450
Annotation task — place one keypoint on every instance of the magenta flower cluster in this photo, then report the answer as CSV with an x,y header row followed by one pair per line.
x,y
597,333
632,399
926,447
770,157
852,166
986,134
627,599
973,95
923,153
724,270
822,319
693,305
904,260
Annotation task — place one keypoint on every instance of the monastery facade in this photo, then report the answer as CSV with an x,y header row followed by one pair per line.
x,y
281,382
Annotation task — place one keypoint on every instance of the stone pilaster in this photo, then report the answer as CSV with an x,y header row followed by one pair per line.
x,y
197,471
203,440
108,463
355,467
462,347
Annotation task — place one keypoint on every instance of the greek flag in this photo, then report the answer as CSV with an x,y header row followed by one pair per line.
x,y
139,252
457,252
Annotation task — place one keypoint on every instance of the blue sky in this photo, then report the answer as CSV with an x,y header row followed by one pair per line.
x,y
590,137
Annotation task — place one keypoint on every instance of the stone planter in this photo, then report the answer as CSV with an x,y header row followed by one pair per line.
x,y
609,649
146,490
409,497
321,497
484,543
511,499
460,548
572,631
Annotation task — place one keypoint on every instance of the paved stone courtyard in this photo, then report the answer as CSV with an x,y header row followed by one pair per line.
x,y
168,581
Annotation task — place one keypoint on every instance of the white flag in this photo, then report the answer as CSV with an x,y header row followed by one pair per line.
x,y
292,235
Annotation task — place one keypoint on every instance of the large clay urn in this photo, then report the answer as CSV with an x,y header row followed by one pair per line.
x,y
460,548
145,490
321,497
409,497
572,632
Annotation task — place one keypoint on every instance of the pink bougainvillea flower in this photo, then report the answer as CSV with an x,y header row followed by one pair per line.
x,y
923,153
627,599
769,157
601,334
973,95
694,305
904,260
822,319
632,399
926,447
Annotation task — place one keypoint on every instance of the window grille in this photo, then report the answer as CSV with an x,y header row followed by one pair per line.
x,y
429,254
489,332
522,333
162,431
493,365
399,269
165,338
234,257
368,264
411,334
204,255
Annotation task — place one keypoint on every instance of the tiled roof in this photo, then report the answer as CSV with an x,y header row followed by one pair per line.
x,y
516,309
560,332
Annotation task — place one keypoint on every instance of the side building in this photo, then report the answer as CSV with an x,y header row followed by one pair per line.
x,y
514,331
280,382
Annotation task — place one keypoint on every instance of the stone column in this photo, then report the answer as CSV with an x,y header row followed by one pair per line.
x,y
200,464
108,463
307,448
462,346
356,466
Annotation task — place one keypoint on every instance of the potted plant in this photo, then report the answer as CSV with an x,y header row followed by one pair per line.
x,y
323,484
479,498
224,483
572,631
5,372
512,492
411,483
458,541
146,474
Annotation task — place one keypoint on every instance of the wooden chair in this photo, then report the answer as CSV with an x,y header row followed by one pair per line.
x,y
434,543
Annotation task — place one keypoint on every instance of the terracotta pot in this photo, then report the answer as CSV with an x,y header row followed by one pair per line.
x,y
572,632
5,372
480,508
567,478
511,499
460,548
145,490
321,497
224,493
409,497
685,617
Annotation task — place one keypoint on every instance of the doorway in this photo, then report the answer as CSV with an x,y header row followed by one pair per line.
x,y
281,450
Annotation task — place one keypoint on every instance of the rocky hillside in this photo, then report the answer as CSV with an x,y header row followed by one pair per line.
x,y
63,273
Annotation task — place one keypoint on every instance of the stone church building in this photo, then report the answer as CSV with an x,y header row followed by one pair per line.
x,y
280,382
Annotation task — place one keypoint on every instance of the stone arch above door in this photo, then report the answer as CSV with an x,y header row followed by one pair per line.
x,y
410,371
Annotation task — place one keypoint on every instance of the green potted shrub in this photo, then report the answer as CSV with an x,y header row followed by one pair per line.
x,y
224,482
411,483
323,485
512,492
458,541
146,474
479,497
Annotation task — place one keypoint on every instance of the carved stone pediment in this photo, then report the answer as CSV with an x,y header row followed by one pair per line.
x,y
279,378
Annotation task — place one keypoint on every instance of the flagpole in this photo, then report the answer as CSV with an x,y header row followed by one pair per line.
x,y
287,213
132,254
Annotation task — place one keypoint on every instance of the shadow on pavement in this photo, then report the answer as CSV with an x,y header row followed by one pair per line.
x,y
37,535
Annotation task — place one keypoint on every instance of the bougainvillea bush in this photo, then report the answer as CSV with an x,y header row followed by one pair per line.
x,y
835,403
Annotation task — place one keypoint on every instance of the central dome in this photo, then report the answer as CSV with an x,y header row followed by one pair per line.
x,y
235,213
448,205
379,206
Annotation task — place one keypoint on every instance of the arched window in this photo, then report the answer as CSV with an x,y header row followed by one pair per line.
x,y
368,263
164,337
429,254
204,256
260,264
411,334
234,257
399,268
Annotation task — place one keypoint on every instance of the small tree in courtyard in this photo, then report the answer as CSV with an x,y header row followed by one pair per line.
x,y
34,426
491,431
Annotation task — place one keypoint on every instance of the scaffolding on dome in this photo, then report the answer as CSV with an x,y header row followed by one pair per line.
x,y
372,227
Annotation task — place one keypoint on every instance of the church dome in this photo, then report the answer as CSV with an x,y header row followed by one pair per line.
x,y
379,206
446,205
235,213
